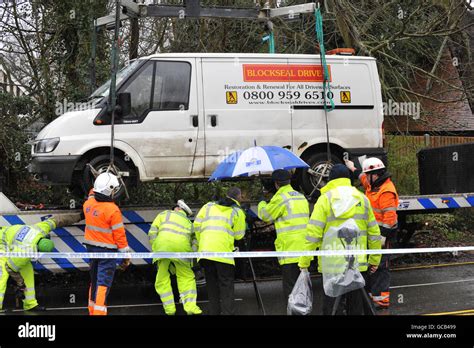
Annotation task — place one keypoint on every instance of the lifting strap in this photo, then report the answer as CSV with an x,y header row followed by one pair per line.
x,y
326,86
326,89
271,42
320,39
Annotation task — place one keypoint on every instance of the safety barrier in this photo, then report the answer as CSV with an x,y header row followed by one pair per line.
x,y
69,239
436,202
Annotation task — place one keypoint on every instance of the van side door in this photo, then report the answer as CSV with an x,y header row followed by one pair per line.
x,y
240,108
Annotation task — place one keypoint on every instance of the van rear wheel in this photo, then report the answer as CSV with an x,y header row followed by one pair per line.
x,y
311,181
100,164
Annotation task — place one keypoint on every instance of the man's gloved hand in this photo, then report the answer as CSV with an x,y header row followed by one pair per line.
x,y
373,269
304,270
20,291
350,165
68,219
267,196
250,216
124,265
388,232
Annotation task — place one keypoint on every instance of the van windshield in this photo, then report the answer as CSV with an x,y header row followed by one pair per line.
x,y
103,91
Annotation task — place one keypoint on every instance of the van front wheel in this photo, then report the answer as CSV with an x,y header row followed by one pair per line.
x,y
100,164
313,179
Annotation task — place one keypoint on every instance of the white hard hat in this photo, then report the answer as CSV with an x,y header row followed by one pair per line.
x,y
371,164
185,207
106,184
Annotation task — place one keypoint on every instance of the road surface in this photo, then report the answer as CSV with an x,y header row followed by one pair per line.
x,y
442,289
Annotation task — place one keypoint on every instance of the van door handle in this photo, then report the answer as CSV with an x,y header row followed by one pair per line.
x,y
213,120
195,120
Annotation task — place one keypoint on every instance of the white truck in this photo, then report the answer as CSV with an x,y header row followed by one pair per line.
x,y
189,110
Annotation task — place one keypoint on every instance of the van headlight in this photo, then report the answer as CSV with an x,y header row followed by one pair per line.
x,y
46,145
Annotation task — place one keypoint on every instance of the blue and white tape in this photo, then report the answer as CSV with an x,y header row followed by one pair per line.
x,y
436,202
236,254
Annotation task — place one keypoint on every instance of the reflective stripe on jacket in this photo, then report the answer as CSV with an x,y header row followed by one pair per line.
x,y
289,210
217,227
338,202
171,231
384,202
104,225
24,238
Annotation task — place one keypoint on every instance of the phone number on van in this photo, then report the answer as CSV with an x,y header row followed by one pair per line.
x,y
287,95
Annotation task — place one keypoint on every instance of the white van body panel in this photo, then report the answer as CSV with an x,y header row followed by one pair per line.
x,y
268,99
77,137
69,123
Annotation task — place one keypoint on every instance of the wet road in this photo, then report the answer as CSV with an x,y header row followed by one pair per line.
x,y
416,291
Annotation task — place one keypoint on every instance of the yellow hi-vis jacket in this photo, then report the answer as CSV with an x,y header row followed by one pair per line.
x,y
340,201
289,210
171,231
217,227
23,238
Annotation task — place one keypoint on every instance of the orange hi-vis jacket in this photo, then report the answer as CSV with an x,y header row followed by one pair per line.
x,y
104,225
384,202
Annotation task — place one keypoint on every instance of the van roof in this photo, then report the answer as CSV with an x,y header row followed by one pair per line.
x,y
251,55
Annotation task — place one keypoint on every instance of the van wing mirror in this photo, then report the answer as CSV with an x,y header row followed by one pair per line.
x,y
124,104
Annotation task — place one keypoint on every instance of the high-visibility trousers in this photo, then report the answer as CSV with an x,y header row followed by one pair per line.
x,y
186,285
102,273
379,282
28,275
3,280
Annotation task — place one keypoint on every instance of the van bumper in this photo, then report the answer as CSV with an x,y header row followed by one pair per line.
x,y
55,170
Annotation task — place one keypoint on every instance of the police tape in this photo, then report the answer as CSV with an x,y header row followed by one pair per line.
x,y
235,254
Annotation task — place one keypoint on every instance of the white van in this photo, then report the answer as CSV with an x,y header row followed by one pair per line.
x,y
189,110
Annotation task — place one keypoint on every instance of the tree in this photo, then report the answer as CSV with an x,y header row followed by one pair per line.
x,y
46,45
14,151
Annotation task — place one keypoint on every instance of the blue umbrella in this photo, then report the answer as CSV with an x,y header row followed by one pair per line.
x,y
257,160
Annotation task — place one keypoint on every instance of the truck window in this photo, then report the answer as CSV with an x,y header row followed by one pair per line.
x,y
103,91
158,86
140,90
171,88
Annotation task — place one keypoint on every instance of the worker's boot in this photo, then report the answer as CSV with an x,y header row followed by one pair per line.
x,y
382,301
170,309
193,310
36,310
